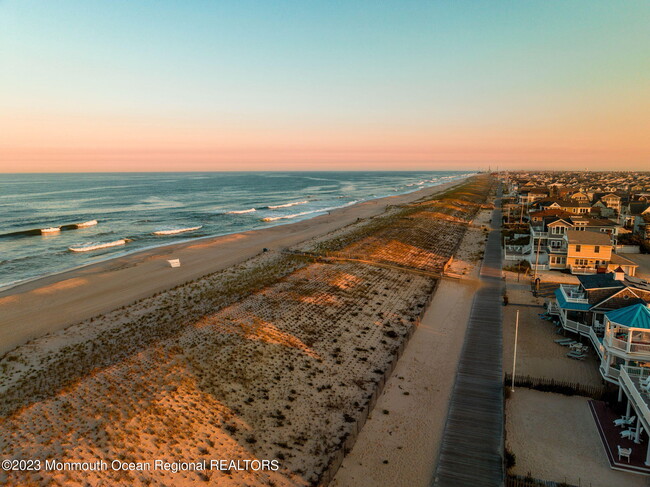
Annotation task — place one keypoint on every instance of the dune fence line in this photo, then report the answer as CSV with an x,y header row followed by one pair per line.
x,y
519,481
558,386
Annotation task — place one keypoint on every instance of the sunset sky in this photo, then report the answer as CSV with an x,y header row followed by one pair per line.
x,y
309,85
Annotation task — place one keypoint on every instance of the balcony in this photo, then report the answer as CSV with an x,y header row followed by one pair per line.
x,y
573,294
537,232
582,269
628,347
550,249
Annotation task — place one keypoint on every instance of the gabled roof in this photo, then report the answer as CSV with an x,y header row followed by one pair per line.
x,y
635,316
554,220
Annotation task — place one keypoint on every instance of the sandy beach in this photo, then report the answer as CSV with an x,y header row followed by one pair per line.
x,y
54,302
280,356
400,443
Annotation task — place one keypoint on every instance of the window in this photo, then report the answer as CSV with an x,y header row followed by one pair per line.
x,y
577,248
597,249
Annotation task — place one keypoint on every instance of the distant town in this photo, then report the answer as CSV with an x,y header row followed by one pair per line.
x,y
580,222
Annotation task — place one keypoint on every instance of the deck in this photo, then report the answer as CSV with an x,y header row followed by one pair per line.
x,y
610,436
471,452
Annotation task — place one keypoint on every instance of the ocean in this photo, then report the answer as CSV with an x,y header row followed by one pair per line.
x,y
135,205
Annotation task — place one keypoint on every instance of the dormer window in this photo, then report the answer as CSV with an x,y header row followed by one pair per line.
x,y
578,248
597,249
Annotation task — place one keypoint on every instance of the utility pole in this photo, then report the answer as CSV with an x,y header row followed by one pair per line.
x,y
539,242
514,359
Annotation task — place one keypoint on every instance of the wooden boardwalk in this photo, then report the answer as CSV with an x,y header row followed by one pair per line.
x,y
471,452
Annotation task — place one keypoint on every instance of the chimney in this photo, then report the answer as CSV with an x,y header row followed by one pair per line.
x,y
619,274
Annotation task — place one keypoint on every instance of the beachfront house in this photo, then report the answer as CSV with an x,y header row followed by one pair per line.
x,y
587,252
624,354
581,309
579,243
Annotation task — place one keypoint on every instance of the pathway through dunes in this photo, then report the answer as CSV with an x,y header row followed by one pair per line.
x,y
275,359
472,446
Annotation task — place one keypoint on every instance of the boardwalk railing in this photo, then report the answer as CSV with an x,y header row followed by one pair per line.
x,y
553,385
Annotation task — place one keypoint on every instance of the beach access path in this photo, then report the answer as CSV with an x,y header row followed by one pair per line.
x,y
52,303
471,452
400,442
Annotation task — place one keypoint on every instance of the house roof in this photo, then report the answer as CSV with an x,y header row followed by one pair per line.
x,y
620,260
599,281
635,316
553,220
637,282
564,304
570,203
549,212
638,207
534,190
599,222
588,238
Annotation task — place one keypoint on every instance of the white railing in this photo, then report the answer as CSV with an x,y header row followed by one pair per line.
x,y
629,348
538,233
576,327
521,249
600,349
616,343
550,249
539,267
573,294
639,373
553,308
640,348
581,269
640,405
609,372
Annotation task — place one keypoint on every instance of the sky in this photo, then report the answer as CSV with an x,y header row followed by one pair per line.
x,y
162,85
